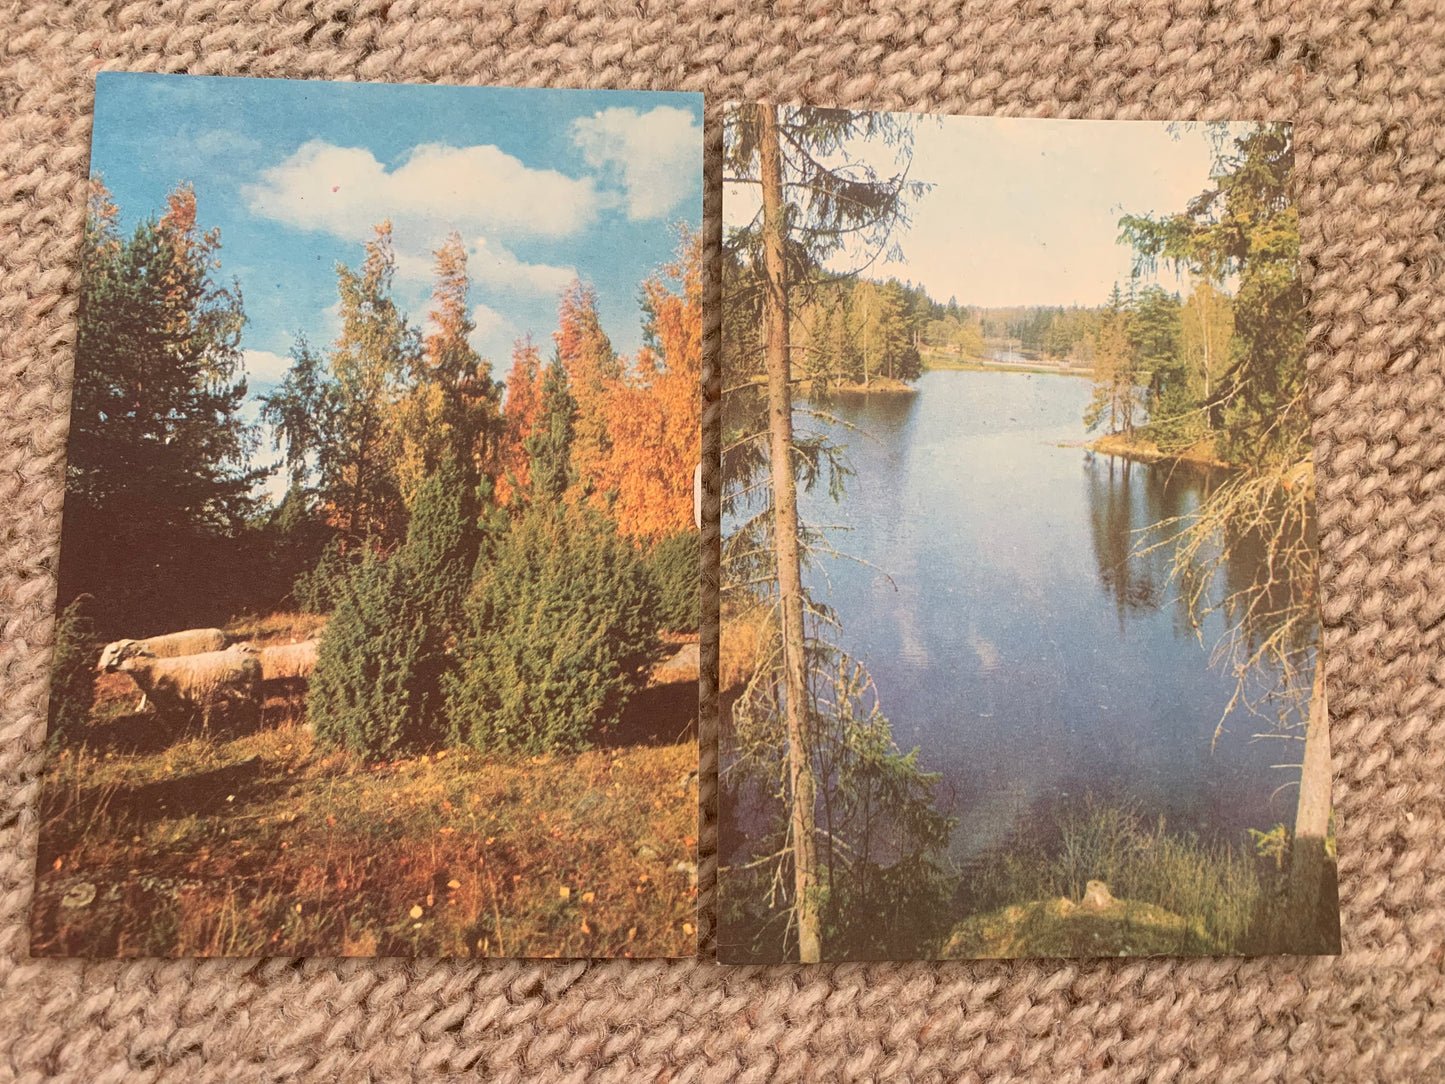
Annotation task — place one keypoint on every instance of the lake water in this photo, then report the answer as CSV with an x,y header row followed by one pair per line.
x,y
1013,631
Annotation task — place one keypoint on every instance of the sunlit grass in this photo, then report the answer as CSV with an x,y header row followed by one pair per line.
x,y
1230,898
256,841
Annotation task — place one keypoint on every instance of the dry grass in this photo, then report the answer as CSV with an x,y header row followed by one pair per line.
x,y
1144,450
740,642
254,841
275,628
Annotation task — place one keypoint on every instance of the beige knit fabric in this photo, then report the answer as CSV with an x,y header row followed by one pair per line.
x,y
1364,81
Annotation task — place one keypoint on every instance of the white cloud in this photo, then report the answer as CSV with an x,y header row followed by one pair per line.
x,y
264,367
491,264
492,337
345,191
657,155
487,322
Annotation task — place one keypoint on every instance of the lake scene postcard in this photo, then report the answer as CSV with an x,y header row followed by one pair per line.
x,y
378,613
1020,636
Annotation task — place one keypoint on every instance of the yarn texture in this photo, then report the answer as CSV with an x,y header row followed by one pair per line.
x,y
1364,81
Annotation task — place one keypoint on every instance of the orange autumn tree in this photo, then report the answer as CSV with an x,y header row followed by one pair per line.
x,y
655,415
519,415
593,372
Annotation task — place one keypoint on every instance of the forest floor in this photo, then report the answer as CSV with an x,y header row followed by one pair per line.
x,y
257,841
1059,928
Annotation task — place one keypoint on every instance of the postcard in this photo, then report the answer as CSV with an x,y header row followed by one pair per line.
x,y
1020,633
378,586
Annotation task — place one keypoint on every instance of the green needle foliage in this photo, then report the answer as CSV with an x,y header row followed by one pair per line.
x,y
373,690
560,627
674,564
385,655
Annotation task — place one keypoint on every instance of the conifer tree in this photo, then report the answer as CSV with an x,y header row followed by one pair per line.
x,y
549,447
561,618
814,199
158,482
373,691
593,370
386,653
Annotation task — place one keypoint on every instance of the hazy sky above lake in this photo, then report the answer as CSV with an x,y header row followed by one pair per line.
x,y
1026,212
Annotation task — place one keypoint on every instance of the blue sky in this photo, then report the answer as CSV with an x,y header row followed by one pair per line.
x,y
1024,211
541,184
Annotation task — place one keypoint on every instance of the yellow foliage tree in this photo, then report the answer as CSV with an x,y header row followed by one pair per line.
x,y
654,415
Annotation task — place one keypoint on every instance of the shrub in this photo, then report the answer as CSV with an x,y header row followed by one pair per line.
x,y
374,689
441,548
560,625
72,672
321,589
384,656
675,566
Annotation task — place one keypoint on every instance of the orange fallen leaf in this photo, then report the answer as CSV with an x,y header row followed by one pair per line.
x,y
588,897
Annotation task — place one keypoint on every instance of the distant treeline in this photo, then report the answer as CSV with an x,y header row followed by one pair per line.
x,y
849,331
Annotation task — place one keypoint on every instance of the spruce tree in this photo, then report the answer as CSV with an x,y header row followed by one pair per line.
x,y
157,483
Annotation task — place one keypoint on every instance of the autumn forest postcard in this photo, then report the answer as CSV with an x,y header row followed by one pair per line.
x,y
378,583
1019,608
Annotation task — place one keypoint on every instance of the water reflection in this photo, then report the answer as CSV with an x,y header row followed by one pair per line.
x,y
1019,626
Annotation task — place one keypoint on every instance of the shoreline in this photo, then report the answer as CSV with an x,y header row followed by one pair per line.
x,y
1146,451
883,385
980,365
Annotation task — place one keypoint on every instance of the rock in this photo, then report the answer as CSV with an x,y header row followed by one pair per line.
x,y
687,869
1097,897
587,803
78,895
646,853
687,658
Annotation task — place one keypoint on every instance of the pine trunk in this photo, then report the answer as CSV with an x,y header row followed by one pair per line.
x,y
1312,816
785,532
